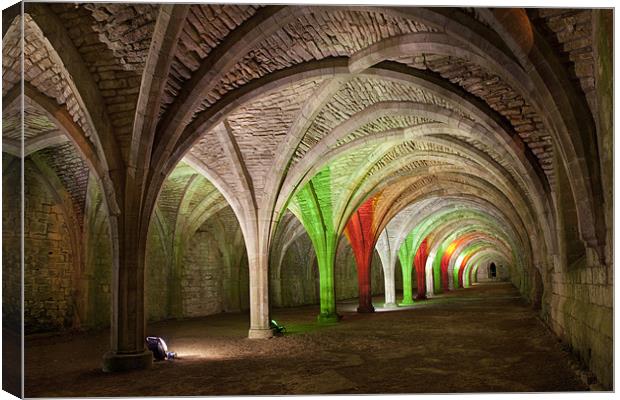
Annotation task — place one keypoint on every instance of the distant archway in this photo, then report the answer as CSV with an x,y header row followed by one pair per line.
x,y
492,271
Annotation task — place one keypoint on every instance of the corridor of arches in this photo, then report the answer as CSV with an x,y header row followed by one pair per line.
x,y
430,186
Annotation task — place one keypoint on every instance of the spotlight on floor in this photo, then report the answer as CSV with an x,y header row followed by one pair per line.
x,y
159,349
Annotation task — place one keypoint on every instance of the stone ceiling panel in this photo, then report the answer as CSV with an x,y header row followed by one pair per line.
x,y
314,36
397,153
72,172
36,123
42,69
11,51
358,94
261,126
209,150
170,197
383,124
113,52
498,95
503,162
569,31
207,25
126,29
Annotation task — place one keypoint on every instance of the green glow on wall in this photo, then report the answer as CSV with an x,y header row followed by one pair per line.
x,y
405,255
475,271
435,221
467,253
430,224
473,240
313,206
470,268
460,234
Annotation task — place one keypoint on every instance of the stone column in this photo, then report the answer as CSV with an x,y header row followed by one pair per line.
x,y
407,269
460,277
405,255
359,231
258,262
444,272
430,283
325,258
451,276
365,294
420,261
388,262
390,282
128,350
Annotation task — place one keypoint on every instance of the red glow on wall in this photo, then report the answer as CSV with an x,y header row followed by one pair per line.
x,y
359,232
419,262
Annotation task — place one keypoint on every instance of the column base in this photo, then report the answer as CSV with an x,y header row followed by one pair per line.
x,y
406,303
328,318
366,309
390,305
119,362
255,333
421,297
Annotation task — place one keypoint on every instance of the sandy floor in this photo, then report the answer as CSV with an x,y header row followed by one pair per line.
x,y
475,340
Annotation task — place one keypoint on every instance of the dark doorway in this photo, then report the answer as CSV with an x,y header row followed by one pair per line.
x,y
493,270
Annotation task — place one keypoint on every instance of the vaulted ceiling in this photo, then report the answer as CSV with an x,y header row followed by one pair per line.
x,y
445,108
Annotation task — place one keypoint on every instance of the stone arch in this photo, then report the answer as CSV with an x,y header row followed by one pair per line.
x,y
480,190
445,234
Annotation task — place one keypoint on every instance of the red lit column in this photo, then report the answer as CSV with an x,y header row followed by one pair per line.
x,y
462,268
420,263
445,260
361,236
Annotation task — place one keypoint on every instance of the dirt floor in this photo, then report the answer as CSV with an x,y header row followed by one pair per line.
x,y
472,340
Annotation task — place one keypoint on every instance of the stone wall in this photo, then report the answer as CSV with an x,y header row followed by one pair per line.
x,y
577,302
299,274
48,272
215,275
202,277
484,275
61,291
211,275
581,313
157,274
577,298
11,246
97,275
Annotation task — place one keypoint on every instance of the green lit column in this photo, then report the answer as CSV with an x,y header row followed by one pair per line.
x,y
312,204
405,255
326,277
456,272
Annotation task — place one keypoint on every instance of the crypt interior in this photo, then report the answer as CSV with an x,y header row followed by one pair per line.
x,y
421,197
